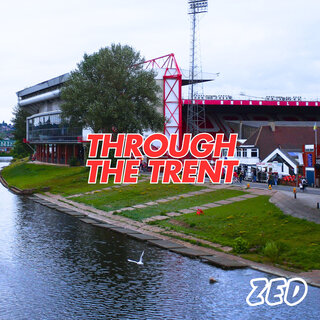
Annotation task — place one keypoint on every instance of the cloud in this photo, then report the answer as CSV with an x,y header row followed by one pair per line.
x,y
258,46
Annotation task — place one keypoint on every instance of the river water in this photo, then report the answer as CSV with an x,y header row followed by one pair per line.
x,y
53,266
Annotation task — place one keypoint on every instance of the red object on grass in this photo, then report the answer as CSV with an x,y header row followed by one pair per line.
x,y
199,211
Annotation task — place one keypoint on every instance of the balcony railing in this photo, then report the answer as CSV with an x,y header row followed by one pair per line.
x,y
60,134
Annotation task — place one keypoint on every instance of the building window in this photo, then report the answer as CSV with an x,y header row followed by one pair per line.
x,y
239,153
254,153
309,147
244,153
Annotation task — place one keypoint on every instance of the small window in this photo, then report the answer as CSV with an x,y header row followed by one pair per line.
x,y
254,153
239,153
309,147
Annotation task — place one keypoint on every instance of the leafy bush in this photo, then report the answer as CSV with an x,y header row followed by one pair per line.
x,y
5,154
73,162
20,150
241,245
272,250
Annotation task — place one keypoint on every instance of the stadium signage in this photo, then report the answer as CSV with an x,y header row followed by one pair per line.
x,y
279,98
212,97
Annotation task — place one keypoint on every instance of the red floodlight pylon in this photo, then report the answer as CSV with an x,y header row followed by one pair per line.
x,y
172,100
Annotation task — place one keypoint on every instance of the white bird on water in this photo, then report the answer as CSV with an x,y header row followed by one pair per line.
x,y
137,262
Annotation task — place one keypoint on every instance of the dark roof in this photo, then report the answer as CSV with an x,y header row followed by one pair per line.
x,y
44,85
186,82
294,160
283,137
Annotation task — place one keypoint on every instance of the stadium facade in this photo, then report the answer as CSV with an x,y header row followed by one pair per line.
x,y
56,142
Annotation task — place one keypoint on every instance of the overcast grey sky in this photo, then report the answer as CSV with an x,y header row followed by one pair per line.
x,y
260,47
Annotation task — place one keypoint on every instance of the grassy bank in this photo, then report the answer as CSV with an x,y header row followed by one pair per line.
x,y
130,195
264,233
63,180
182,203
255,228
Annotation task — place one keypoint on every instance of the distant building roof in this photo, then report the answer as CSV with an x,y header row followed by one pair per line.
x,y
268,139
295,159
43,85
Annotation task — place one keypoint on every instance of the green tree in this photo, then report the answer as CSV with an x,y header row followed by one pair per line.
x,y
20,149
110,91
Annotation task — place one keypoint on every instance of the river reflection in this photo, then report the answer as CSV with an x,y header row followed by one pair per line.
x,y
53,266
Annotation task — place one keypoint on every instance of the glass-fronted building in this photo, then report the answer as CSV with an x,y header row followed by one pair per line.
x,y
47,127
52,139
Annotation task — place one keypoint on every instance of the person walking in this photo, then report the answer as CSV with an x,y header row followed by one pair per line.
x,y
235,177
254,175
240,176
303,183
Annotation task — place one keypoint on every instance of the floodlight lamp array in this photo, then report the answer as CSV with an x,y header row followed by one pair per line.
x,y
198,6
